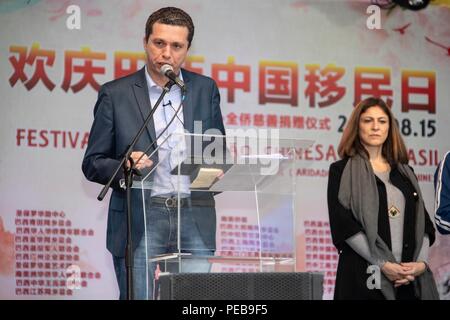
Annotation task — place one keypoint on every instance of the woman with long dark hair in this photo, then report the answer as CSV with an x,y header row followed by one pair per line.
x,y
377,214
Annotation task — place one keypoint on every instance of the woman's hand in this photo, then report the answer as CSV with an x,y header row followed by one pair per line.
x,y
416,268
403,273
397,273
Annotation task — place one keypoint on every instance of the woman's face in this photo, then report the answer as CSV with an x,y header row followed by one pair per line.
x,y
373,127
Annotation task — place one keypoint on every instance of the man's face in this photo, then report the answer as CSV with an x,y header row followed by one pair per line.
x,y
166,44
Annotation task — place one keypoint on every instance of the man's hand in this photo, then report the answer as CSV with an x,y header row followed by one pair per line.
x,y
140,160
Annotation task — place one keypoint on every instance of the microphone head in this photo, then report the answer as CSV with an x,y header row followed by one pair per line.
x,y
165,68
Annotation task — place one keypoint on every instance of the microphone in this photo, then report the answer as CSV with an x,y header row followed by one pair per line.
x,y
167,70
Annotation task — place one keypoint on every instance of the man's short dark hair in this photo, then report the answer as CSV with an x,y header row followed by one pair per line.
x,y
171,16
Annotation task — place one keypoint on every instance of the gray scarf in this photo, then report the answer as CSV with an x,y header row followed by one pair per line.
x,y
358,192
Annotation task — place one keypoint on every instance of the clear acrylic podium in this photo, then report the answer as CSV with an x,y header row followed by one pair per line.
x,y
230,202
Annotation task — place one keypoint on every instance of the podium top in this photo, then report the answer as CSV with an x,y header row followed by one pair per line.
x,y
216,163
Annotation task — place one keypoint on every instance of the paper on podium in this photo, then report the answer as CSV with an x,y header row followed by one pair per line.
x,y
244,176
206,177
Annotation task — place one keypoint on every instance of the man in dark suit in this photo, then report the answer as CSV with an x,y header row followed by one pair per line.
x,y
121,108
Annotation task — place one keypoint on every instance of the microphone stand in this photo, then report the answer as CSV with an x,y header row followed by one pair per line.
x,y
129,172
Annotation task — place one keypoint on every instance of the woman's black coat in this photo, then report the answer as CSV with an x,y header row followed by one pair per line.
x,y
351,276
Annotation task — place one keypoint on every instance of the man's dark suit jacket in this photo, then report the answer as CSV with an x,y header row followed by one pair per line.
x,y
121,109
